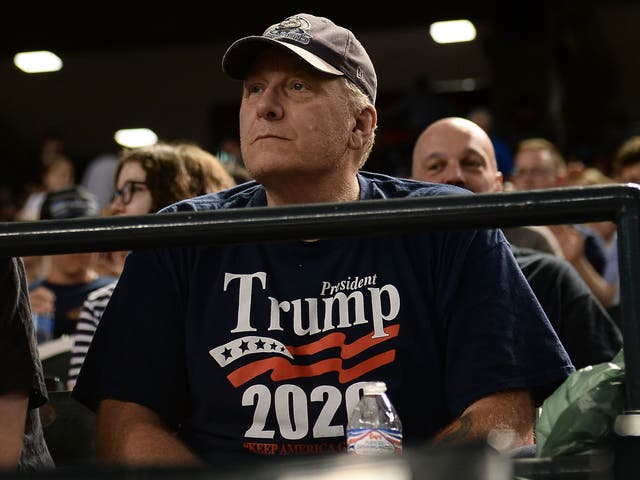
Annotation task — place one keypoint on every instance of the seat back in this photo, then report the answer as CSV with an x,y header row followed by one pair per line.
x,y
69,430
55,356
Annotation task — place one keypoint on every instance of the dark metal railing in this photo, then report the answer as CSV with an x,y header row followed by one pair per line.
x,y
617,203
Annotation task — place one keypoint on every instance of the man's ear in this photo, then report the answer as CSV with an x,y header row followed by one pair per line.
x,y
499,182
364,127
561,179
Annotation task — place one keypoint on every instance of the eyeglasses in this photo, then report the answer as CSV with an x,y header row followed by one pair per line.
x,y
127,191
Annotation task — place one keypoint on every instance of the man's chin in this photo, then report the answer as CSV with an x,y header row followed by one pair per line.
x,y
267,172
270,177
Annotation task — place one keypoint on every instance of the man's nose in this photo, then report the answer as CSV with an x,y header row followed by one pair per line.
x,y
269,105
453,175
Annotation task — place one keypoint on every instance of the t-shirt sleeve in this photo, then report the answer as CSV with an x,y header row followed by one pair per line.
x,y
498,337
137,353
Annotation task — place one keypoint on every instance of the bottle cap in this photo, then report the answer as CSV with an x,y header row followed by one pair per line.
x,y
374,388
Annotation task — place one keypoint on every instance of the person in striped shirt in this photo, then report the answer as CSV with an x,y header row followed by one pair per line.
x,y
147,179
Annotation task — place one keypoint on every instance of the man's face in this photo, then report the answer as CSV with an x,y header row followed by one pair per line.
x,y
294,121
73,266
534,169
456,154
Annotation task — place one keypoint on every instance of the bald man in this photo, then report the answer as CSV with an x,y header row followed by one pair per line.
x,y
456,151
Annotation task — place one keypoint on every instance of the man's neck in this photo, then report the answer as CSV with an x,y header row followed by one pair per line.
x,y
313,191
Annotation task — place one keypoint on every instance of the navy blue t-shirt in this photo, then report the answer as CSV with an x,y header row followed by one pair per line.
x,y
264,348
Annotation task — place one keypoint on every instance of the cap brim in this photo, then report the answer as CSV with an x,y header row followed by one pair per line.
x,y
241,54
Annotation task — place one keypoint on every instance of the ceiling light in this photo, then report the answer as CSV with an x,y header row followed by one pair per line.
x,y
37,62
135,137
452,31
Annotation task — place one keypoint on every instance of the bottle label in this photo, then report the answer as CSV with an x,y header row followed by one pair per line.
x,y
374,441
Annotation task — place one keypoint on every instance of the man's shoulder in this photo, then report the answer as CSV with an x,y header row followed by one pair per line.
x,y
378,185
244,195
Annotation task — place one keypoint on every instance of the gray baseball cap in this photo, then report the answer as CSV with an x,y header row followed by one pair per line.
x,y
318,41
72,202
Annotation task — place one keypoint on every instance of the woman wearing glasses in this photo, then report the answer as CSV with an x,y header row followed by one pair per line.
x,y
150,178
147,179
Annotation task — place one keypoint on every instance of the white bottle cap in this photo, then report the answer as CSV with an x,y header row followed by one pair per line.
x,y
374,388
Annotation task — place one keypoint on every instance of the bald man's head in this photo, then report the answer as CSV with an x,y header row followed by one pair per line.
x,y
458,152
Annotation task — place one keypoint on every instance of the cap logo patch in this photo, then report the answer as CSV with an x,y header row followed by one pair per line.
x,y
359,73
293,28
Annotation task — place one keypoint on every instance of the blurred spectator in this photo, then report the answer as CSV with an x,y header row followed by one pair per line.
x,y
626,169
148,179
456,151
99,176
36,267
538,164
59,173
627,161
610,284
51,147
72,276
433,165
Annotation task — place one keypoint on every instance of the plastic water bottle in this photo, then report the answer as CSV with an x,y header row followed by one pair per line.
x,y
374,427
43,324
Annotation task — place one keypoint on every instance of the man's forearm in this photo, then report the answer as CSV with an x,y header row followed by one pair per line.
x,y
601,289
131,434
511,413
460,431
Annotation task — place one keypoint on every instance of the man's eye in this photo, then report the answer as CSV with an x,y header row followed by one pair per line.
x,y
298,86
252,88
475,164
434,167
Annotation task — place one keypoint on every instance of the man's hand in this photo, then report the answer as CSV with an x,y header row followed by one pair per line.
x,y
571,241
511,413
42,300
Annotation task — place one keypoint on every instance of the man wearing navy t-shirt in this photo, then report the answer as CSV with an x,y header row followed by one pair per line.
x,y
261,350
